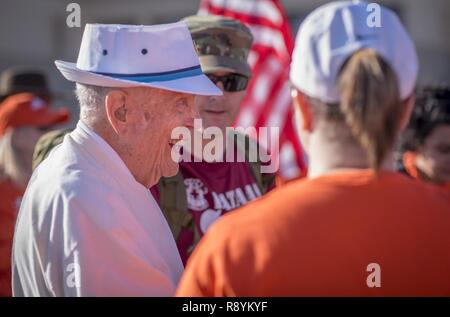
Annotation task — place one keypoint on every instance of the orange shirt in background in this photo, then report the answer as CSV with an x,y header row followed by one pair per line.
x,y
10,197
319,237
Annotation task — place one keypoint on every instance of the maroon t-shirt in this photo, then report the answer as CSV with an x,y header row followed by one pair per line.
x,y
213,189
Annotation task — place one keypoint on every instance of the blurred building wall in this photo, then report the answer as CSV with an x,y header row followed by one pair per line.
x,y
34,32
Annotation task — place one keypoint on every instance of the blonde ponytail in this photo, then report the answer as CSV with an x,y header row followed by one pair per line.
x,y
370,103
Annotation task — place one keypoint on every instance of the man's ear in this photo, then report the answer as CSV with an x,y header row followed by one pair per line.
x,y
301,102
408,106
116,110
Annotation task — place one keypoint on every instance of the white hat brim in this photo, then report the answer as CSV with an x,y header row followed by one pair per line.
x,y
195,85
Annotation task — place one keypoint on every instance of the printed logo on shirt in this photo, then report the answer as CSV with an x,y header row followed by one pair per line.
x,y
208,217
197,192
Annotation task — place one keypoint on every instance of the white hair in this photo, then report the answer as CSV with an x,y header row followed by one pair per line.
x,y
92,100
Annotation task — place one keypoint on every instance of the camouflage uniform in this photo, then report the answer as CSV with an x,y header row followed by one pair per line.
x,y
46,143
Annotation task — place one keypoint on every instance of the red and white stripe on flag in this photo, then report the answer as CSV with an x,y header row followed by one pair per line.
x,y
268,101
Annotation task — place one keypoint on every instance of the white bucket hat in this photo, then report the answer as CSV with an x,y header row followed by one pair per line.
x,y
157,56
333,32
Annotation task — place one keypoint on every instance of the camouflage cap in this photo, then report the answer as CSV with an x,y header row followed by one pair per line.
x,y
222,43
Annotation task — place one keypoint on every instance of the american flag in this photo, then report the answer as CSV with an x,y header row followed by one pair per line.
x,y
268,100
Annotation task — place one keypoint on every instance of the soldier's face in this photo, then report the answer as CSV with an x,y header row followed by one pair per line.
x,y
219,111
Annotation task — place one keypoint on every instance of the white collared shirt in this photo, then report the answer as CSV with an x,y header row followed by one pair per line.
x,y
86,227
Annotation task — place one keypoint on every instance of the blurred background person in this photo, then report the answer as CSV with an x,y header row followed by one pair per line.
x,y
24,116
426,142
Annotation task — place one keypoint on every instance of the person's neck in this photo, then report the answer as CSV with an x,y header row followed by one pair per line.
x,y
327,157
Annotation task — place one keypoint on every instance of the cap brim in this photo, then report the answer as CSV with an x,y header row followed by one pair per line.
x,y
212,63
52,117
195,85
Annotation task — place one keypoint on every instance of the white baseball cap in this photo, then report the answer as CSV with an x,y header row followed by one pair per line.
x,y
333,32
159,56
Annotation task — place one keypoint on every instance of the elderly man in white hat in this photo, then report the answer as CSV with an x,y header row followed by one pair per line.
x,y
88,225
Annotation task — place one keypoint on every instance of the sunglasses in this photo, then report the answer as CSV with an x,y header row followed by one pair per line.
x,y
231,83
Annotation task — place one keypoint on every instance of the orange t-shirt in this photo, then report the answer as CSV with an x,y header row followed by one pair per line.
x,y
320,237
10,197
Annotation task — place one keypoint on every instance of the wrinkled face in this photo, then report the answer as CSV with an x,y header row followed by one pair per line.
x,y
219,111
152,114
434,156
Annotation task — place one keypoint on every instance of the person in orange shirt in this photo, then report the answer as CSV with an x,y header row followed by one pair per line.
x,y
426,141
23,118
355,226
